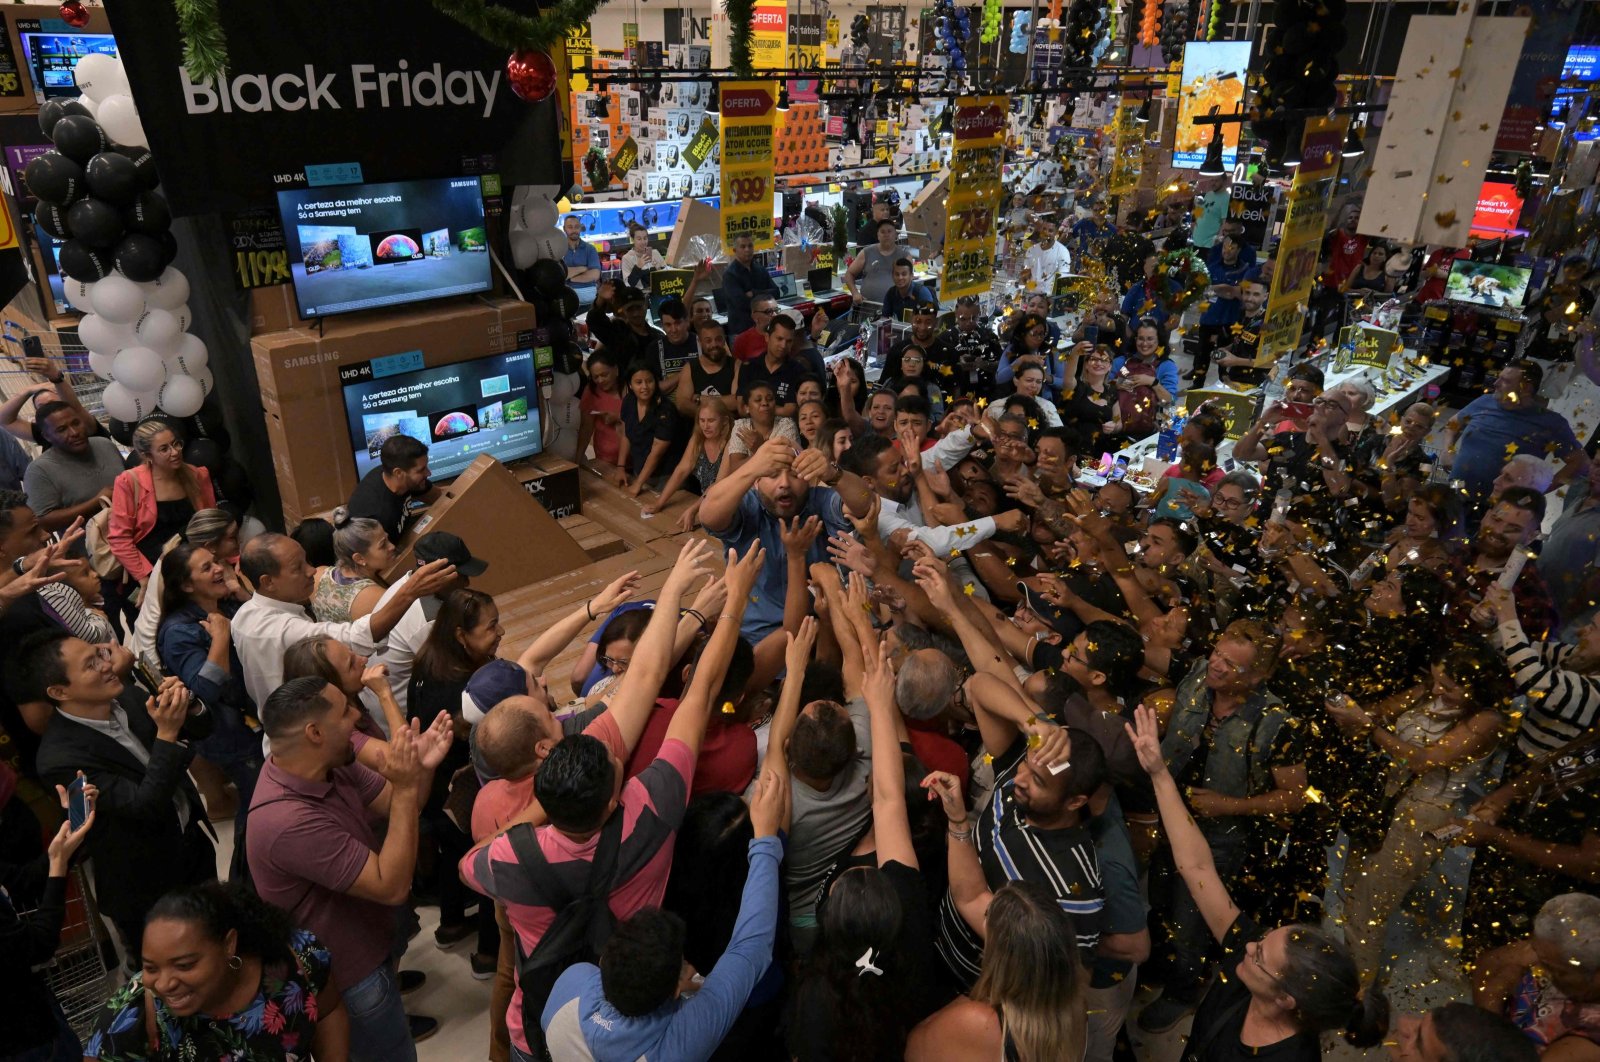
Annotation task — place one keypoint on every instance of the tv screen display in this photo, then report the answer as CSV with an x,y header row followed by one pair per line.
x,y
485,406
1499,207
1487,284
1582,63
365,246
51,57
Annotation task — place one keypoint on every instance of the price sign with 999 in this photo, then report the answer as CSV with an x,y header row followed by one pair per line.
x,y
742,191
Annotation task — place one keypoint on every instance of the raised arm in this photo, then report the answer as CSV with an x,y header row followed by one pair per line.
x,y
720,505
890,823
1190,852
545,648
796,656
11,410
826,578
987,658
969,890
689,721
635,698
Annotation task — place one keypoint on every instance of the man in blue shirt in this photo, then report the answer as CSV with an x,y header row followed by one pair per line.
x,y
630,1005
582,261
905,294
1228,264
1513,420
742,281
775,486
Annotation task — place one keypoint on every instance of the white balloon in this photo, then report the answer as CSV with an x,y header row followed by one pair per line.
x,y
102,336
185,318
204,378
118,299
120,119
91,106
140,370
168,291
182,396
126,405
99,75
101,364
80,295
190,357
158,330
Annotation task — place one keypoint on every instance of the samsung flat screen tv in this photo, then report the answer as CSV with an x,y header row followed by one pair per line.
x,y
1487,284
51,57
356,247
487,405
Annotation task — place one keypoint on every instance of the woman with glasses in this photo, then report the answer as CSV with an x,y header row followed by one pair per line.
x,y
914,372
1090,404
1281,988
153,501
1030,345
1147,380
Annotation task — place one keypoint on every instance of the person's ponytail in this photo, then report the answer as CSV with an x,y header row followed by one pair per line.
x,y
1369,1019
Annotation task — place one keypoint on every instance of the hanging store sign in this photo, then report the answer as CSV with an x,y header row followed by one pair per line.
x,y
404,90
749,109
1295,273
976,155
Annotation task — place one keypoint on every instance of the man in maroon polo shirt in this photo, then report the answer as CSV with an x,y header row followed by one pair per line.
x,y
313,849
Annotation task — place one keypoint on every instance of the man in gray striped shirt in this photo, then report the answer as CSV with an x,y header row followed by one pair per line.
x,y
1560,682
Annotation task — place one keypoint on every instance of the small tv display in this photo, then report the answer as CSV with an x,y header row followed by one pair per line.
x,y
365,246
1487,284
52,56
487,405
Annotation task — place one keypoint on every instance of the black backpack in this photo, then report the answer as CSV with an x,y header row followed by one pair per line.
x,y
582,925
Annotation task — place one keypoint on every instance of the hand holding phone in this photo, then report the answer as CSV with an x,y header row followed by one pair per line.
x,y
77,802
1091,333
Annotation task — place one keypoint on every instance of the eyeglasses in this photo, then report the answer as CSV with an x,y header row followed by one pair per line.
x,y
612,664
1325,402
764,312
1222,501
1253,951
1038,332
911,359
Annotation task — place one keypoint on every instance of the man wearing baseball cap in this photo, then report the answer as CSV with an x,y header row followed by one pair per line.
x,y
408,635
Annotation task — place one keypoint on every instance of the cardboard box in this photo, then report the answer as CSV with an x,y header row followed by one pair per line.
x,y
303,398
694,219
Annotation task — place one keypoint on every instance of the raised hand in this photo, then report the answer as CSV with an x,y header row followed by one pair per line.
x,y
938,479
402,765
856,598
798,534
946,790
374,676
877,685
743,571
933,577
690,565
431,578
814,466
798,652
615,593
1145,733
769,810
433,744
1049,744
867,524
67,840
774,455
842,549
168,709
216,626
1024,490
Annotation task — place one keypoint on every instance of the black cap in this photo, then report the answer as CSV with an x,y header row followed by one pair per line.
x,y
1055,617
442,545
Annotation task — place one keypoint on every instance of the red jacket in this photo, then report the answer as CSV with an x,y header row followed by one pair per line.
x,y
133,515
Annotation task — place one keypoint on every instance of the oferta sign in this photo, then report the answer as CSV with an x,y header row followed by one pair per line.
x,y
749,109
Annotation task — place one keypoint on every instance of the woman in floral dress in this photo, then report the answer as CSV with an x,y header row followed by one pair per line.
x,y
229,980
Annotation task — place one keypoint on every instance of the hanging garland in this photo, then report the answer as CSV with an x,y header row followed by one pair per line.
x,y
1186,280
205,49
741,30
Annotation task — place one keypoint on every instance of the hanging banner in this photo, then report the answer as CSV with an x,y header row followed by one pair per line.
x,y
805,53
1295,271
1128,159
976,154
749,109
769,44
1539,70
580,52
1213,83
309,82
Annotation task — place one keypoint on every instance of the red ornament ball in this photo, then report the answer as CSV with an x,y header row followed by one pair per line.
x,y
74,14
532,74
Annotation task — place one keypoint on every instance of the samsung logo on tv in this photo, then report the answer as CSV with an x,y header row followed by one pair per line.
x,y
366,86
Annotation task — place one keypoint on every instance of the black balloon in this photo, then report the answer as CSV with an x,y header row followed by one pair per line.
x,y
120,430
113,177
205,453
95,222
79,137
148,213
549,277
82,262
54,178
212,423
236,489
51,220
139,257
144,162
53,111
169,248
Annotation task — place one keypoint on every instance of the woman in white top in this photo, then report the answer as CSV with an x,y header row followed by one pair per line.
x,y
762,424
1440,743
641,259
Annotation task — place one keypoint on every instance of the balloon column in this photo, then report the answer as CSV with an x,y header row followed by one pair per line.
x,y
96,191
1021,24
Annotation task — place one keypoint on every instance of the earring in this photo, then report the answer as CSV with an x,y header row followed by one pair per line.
x,y
235,963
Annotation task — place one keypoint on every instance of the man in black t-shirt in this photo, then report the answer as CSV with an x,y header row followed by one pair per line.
x,y
1236,361
777,367
677,346
402,474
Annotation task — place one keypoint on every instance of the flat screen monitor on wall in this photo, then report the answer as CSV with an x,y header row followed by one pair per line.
x,y
1487,284
366,246
51,57
487,405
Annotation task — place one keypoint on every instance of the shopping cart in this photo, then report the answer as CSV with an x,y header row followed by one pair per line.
x,y
83,971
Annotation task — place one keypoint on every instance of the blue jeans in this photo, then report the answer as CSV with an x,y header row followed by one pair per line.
x,y
379,1030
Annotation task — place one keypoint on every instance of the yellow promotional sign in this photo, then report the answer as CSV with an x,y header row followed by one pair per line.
x,y
749,109
1295,272
831,34
769,45
580,51
976,154
1128,158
